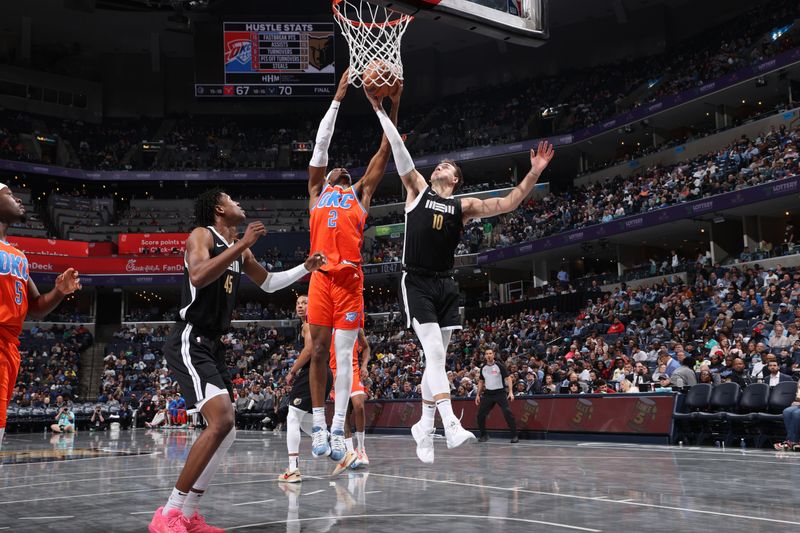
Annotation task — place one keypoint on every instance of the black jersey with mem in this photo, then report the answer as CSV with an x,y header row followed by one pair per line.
x,y
433,231
209,309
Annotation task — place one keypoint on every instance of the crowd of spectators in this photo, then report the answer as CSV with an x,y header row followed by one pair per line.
x,y
49,364
477,117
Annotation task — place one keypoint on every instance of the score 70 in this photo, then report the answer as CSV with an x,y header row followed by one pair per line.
x,y
283,90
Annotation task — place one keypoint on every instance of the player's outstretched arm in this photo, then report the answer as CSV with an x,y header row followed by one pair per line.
x,y
41,305
204,269
275,281
377,166
412,180
319,159
304,357
475,208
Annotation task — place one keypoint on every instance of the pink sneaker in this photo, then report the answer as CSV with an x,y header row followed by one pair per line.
x,y
197,524
173,522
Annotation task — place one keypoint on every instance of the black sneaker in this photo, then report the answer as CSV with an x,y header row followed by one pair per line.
x,y
484,438
514,439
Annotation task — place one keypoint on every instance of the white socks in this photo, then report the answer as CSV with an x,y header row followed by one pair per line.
x,y
360,438
446,411
319,417
344,341
176,501
428,416
191,503
348,442
294,463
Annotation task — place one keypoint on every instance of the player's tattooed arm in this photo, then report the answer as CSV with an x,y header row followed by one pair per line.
x,y
476,208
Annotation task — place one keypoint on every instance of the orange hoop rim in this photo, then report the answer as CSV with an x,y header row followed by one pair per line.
x,y
357,23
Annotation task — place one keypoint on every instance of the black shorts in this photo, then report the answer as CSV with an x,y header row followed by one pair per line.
x,y
430,299
300,397
197,362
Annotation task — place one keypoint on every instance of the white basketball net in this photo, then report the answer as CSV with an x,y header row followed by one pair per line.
x,y
373,35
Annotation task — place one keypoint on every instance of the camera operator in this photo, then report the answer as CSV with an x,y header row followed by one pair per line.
x,y
65,421
98,421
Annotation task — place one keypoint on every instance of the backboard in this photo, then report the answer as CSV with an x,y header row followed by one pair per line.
x,y
516,21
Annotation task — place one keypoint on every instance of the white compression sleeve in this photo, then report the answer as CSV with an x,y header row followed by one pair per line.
x,y
280,280
324,136
292,431
211,468
430,336
344,340
402,159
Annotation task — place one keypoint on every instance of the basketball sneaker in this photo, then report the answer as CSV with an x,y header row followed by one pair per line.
x,y
457,435
338,447
362,460
197,524
292,476
424,442
357,463
320,445
345,463
172,522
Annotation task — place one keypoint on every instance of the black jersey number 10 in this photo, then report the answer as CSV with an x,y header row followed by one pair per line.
x,y
438,221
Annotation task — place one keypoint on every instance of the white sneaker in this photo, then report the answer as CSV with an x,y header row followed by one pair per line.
x,y
320,445
457,435
424,442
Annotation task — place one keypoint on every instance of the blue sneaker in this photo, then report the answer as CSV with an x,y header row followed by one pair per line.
x,y
320,447
338,447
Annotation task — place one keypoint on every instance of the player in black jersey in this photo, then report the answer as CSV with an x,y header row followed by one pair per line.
x,y
429,293
214,261
299,416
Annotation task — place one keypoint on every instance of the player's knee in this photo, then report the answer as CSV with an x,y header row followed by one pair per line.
x,y
321,351
222,425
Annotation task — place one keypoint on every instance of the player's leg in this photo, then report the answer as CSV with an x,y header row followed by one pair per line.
x,y
320,320
359,418
194,362
9,367
347,293
292,474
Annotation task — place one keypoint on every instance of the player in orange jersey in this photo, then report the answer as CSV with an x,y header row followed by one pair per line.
x,y
355,457
335,301
20,297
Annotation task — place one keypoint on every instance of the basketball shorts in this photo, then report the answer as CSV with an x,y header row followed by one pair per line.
x,y
197,362
336,298
300,396
357,387
9,367
430,300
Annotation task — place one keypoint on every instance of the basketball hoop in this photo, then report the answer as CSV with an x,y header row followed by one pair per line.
x,y
373,35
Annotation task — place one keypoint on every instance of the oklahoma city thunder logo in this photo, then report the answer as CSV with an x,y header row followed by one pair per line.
x,y
239,51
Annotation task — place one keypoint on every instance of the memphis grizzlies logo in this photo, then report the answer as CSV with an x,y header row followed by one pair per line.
x,y
351,317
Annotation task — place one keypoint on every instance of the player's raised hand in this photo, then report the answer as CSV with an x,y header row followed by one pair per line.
x,y
69,281
374,99
315,261
395,91
541,157
341,90
254,231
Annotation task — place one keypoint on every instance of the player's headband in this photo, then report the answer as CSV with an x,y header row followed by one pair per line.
x,y
328,177
3,186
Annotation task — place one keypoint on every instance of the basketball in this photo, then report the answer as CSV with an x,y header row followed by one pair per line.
x,y
378,78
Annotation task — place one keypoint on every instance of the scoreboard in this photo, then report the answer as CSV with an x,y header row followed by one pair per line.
x,y
275,59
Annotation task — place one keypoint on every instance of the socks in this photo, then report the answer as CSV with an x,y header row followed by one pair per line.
x,y
191,503
176,501
446,411
428,416
348,442
338,420
319,417
294,463
360,438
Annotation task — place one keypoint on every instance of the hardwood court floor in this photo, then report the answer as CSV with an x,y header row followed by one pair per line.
x,y
99,482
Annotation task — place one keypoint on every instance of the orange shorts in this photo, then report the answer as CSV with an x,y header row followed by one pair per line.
x,y
336,298
9,367
357,387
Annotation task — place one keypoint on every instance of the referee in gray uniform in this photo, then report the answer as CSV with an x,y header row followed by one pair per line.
x,y
495,380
